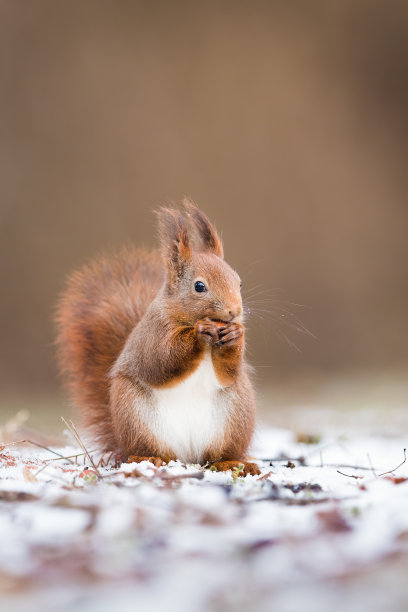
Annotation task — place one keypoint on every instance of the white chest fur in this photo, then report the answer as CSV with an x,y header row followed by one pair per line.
x,y
190,416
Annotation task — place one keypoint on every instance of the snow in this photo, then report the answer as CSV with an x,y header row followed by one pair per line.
x,y
303,537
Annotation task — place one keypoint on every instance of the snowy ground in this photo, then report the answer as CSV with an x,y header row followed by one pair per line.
x,y
300,537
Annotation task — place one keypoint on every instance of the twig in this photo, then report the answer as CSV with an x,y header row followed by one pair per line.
x,y
40,470
109,458
333,465
365,468
398,466
100,462
349,475
48,461
77,437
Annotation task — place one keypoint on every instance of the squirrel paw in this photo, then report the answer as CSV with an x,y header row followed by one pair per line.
x,y
246,467
157,461
230,334
208,331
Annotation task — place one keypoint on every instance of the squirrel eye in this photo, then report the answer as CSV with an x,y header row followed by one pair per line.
x,y
200,287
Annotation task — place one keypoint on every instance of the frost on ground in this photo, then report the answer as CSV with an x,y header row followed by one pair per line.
x,y
300,536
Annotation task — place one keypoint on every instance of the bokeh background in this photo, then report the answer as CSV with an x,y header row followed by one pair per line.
x,y
285,121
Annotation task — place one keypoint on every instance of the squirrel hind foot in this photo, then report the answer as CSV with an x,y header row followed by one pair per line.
x,y
245,467
157,461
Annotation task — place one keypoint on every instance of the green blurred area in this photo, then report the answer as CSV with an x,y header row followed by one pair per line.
x,y
286,122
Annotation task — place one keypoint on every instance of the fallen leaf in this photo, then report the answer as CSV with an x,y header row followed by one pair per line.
x,y
133,474
396,479
28,476
10,461
265,476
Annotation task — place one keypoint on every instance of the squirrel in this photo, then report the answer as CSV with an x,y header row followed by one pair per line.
x,y
152,347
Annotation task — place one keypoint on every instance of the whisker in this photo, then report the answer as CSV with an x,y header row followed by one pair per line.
x,y
293,323
255,291
288,340
253,263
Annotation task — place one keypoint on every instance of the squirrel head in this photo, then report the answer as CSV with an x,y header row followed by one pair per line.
x,y
199,283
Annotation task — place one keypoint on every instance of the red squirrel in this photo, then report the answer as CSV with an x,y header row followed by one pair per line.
x,y
152,347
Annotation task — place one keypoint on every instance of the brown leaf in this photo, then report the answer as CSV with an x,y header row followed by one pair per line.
x,y
133,474
396,479
28,475
10,461
265,476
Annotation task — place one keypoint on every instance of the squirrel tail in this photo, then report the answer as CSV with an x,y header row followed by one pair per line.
x,y
95,315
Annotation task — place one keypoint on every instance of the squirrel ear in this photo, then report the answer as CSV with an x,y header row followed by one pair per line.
x,y
206,232
174,241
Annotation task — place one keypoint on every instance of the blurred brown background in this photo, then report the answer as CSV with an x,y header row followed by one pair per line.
x,y
286,122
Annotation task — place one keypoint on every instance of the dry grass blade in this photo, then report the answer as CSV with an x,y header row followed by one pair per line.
x,y
39,446
69,457
78,439
48,461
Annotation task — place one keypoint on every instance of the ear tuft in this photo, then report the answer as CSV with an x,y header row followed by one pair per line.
x,y
174,240
205,231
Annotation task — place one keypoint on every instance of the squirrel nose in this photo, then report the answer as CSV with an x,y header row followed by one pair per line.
x,y
234,312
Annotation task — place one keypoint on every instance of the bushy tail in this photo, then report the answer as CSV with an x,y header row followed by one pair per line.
x,y
95,315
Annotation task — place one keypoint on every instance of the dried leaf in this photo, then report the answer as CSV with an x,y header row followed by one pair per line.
x,y
28,475
133,474
265,476
396,479
9,459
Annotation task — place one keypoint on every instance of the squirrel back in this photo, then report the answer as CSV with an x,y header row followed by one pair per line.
x,y
101,305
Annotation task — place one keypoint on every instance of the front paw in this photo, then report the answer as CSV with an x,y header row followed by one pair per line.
x,y
230,334
208,331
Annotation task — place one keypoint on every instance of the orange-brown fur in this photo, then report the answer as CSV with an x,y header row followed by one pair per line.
x,y
131,323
